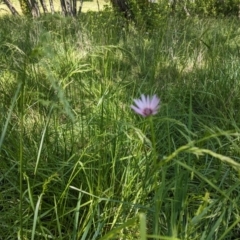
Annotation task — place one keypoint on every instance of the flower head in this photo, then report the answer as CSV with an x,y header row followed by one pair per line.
x,y
146,105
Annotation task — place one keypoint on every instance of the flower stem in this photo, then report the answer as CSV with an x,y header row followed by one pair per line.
x,y
155,180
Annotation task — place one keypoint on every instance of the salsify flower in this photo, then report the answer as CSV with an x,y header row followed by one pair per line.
x,y
146,105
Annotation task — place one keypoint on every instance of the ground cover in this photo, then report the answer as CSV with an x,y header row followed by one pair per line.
x,y
78,163
93,5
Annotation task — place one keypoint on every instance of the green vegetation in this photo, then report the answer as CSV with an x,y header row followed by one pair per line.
x,y
138,10
77,163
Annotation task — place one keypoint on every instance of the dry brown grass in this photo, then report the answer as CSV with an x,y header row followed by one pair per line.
x,y
93,5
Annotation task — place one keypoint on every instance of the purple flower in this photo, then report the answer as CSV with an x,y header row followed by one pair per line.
x,y
146,105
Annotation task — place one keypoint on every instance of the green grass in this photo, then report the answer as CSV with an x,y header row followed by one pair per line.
x,y
77,163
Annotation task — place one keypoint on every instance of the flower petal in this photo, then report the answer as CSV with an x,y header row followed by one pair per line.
x,y
137,110
138,103
143,98
154,102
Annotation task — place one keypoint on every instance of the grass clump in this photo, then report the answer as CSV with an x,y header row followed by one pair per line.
x,y
77,163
